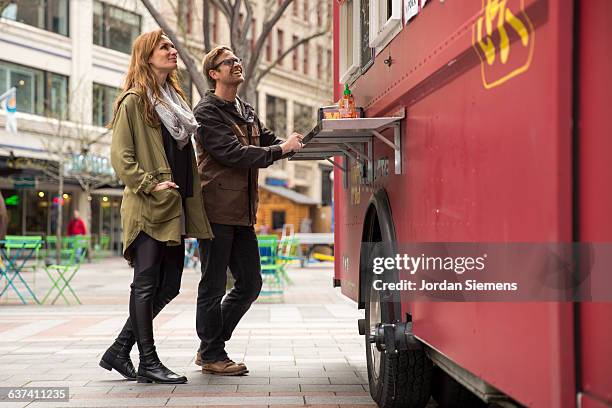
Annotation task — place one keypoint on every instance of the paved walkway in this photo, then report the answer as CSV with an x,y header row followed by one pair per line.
x,y
303,351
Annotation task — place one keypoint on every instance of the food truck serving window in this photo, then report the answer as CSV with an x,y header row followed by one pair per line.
x,y
349,39
385,22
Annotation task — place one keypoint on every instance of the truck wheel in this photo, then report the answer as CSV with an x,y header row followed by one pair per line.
x,y
448,393
396,380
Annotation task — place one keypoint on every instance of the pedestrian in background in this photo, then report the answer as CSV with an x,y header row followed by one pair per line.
x,y
152,154
76,226
232,144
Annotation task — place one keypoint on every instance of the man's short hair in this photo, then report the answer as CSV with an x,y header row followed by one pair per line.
x,y
208,62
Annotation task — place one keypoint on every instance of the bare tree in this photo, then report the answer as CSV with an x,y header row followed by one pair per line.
x,y
70,149
239,17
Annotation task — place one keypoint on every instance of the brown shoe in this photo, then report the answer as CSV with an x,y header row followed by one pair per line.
x,y
198,360
225,367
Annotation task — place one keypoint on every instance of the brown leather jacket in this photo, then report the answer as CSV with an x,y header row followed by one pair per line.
x,y
230,150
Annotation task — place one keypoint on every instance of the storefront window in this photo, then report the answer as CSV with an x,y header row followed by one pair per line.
x,y
106,222
114,27
103,100
12,200
38,92
36,204
34,212
50,15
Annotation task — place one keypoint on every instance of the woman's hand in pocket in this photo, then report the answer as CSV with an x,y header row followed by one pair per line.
x,y
165,185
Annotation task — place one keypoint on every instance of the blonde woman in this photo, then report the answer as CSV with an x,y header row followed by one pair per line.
x,y
152,154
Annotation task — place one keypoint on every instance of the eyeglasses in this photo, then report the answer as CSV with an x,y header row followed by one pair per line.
x,y
230,62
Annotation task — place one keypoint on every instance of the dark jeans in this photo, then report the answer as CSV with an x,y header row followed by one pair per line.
x,y
158,270
234,247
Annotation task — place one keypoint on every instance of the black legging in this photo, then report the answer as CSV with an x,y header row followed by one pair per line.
x,y
158,269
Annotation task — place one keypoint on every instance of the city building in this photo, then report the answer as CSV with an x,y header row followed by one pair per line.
x,y
67,60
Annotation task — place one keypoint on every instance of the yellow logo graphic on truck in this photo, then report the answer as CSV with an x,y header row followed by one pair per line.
x,y
504,39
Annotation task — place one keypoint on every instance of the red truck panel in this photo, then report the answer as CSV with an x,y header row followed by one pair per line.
x,y
595,195
487,156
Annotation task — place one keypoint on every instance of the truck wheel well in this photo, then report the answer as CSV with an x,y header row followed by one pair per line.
x,y
377,227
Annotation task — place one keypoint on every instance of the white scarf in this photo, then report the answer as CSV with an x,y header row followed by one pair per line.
x,y
175,115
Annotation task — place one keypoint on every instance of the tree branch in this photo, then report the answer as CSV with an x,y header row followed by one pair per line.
x,y
289,50
247,23
195,75
265,30
206,25
224,6
235,25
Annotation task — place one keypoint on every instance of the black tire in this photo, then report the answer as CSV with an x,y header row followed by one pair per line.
x,y
396,380
448,393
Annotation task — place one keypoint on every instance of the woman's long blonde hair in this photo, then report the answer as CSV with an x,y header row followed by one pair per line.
x,y
140,77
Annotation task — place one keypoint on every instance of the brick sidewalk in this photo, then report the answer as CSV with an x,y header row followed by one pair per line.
x,y
303,351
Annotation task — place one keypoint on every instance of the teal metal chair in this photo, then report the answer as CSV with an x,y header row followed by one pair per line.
x,y
192,259
16,252
270,268
288,251
61,274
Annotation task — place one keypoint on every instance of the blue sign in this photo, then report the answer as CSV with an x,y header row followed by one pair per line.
x,y
271,181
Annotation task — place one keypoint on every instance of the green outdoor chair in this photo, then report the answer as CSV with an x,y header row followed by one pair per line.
x,y
270,268
34,242
61,274
16,253
288,249
102,248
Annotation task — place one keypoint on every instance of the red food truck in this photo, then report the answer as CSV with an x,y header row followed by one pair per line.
x,y
490,122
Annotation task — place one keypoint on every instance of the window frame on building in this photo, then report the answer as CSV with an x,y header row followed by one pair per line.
x,y
279,217
253,33
295,55
101,115
304,117
280,45
41,90
269,47
306,11
47,17
295,8
319,61
101,38
306,58
272,123
185,14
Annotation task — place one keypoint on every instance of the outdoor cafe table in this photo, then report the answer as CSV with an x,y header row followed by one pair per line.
x,y
13,258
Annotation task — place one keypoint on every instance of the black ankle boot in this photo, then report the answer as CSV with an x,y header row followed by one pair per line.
x,y
151,370
117,356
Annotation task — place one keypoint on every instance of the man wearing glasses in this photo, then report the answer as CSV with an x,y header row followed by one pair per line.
x,y
232,145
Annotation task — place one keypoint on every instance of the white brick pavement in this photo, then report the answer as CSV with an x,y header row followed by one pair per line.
x,y
303,350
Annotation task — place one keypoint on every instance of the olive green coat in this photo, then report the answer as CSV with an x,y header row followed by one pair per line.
x,y
139,159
